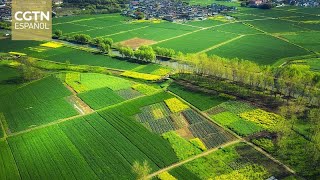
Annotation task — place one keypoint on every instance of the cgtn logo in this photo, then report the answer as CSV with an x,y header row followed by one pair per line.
x,y
31,20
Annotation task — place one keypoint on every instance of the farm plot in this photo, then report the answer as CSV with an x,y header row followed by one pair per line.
x,y
183,148
100,98
145,89
7,45
205,23
235,123
95,81
8,168
237,28
232,161
69,28
36,103
211,134
277,26
199,99
156,118
10,79
76,150
154,32
79,57
197,41
309,40
262,49
128,93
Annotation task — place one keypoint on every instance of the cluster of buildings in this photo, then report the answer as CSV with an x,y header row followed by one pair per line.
x,y
5,10
305,3
172,10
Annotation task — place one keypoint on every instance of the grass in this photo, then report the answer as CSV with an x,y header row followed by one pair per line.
x,y
100,98
36,103
198,99
262,49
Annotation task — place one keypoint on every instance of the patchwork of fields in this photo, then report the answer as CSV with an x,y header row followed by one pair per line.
x,y
80,125
287,30
130,122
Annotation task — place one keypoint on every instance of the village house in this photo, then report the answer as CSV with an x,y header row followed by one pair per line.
x,y
174,10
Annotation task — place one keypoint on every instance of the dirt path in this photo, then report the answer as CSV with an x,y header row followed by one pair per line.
x,y
192,158
221,44
239,139
77,103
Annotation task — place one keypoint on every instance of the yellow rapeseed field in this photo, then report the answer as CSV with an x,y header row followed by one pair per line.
x,y
52,44
136,75
175,105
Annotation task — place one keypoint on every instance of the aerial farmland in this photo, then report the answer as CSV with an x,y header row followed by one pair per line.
x,y
230,96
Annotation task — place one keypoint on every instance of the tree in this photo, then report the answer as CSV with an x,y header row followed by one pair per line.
x,y
104,48
97,40
108,41
57,34
82,38
141,170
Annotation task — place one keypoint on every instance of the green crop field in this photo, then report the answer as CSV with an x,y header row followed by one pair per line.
x,y
240,158
237,28
95,81
197,41
154,31
100,98
237,124
36,103
200,100
74,150
84,116
262,49
10,79
307,40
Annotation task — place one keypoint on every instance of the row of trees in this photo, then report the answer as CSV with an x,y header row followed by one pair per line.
x,y
144,53
289,81
103,44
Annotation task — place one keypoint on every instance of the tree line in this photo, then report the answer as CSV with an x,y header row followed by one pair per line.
x,y
291,81
103,44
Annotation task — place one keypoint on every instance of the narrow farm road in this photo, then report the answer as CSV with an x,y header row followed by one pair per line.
x,y
239,138
192,158
221,44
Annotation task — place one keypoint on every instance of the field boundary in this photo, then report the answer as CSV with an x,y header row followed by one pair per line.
x,y
205,153
241,139
221,44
